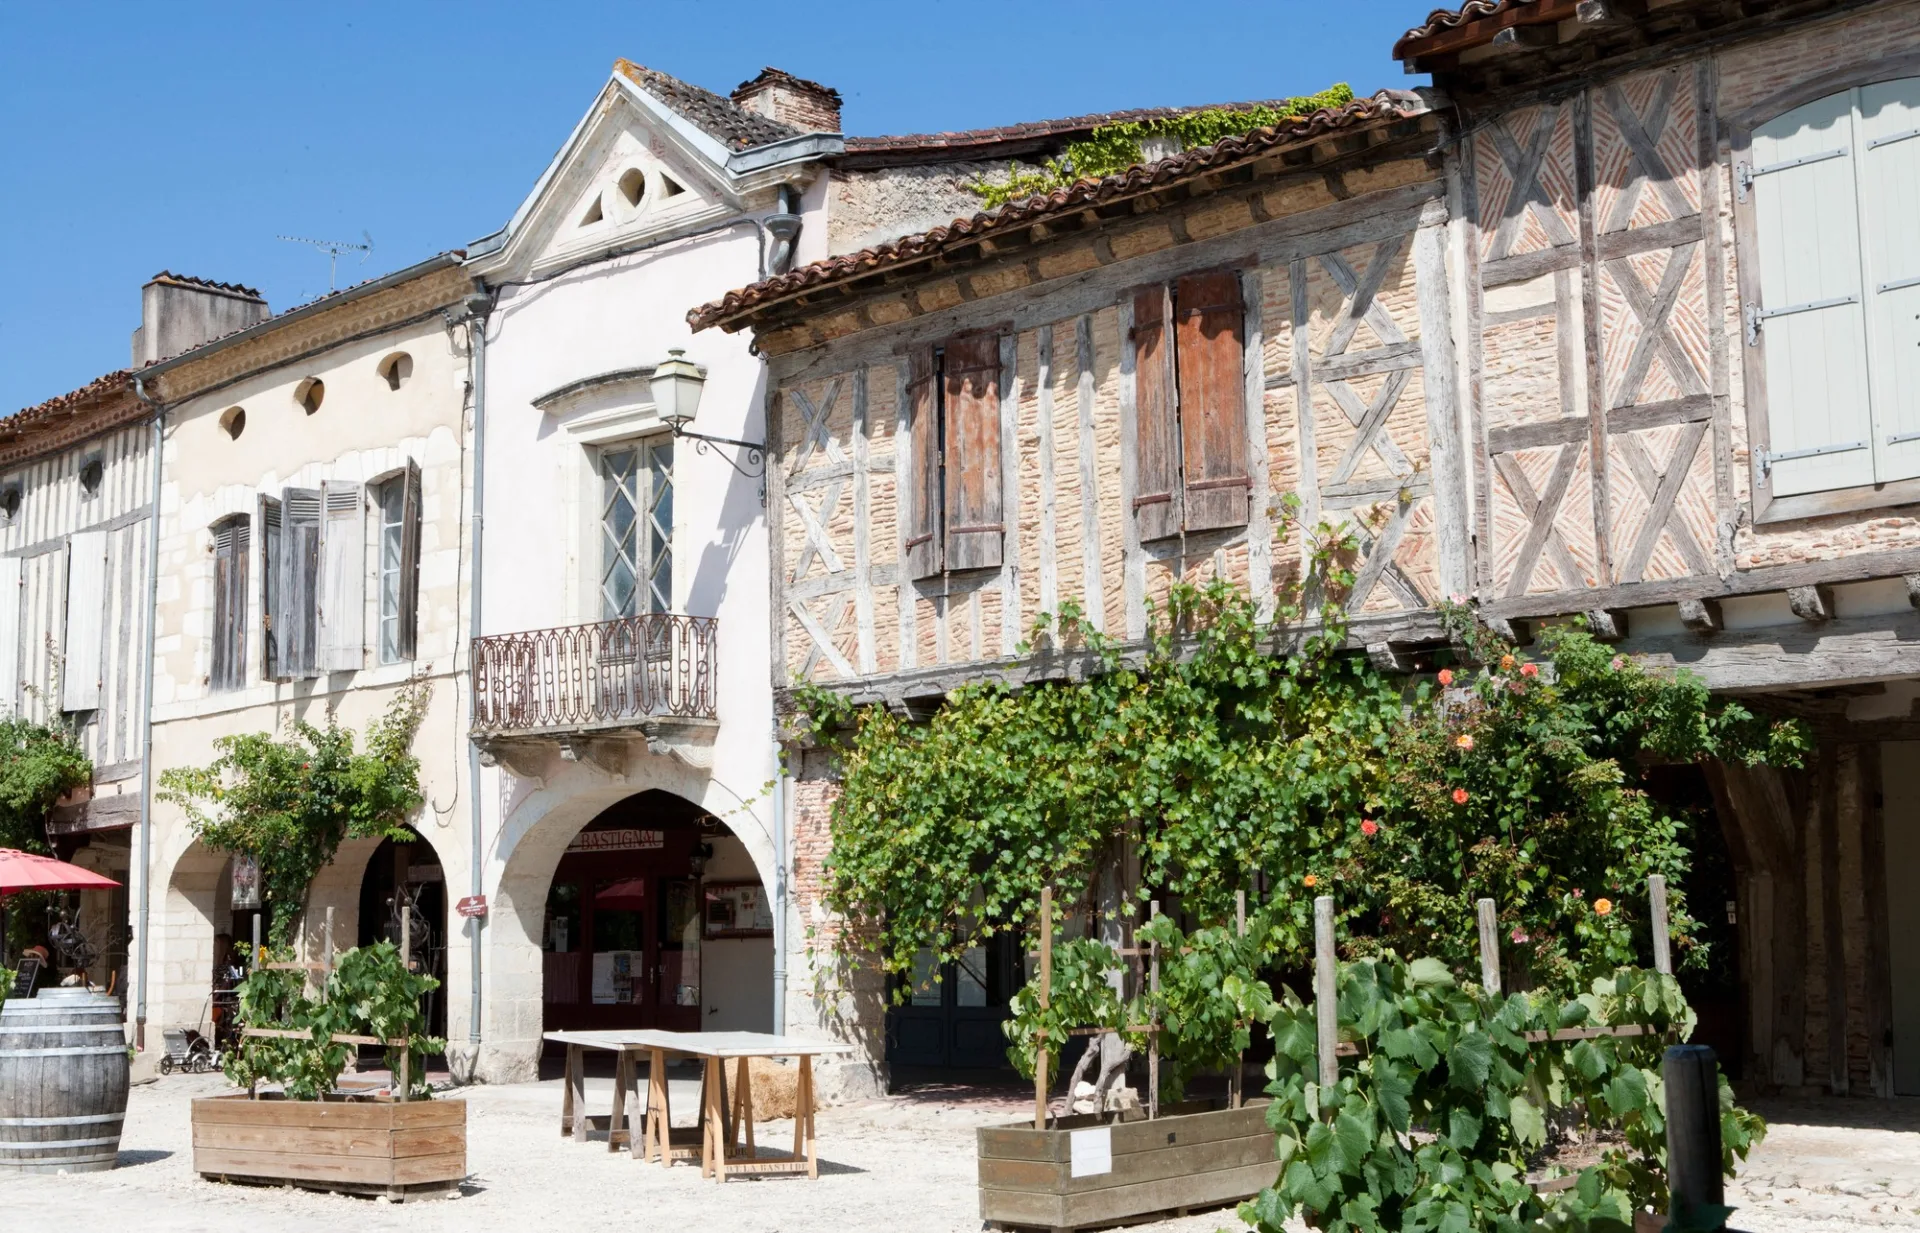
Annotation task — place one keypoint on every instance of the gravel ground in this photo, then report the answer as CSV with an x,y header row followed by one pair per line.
x,y
900,1164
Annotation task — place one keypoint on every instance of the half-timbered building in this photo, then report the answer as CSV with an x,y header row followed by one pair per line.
x,y
1616,323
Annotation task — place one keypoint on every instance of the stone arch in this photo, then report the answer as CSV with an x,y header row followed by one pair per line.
x,y
532,838
193,907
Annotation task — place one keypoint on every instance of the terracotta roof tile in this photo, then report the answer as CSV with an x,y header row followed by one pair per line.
x,y
188,280
722,119
102,403
1441,21
1386,105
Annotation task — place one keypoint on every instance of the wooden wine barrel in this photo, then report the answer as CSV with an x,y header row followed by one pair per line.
x,y
63,1082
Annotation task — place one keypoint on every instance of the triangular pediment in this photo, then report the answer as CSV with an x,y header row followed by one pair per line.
x,y
625,176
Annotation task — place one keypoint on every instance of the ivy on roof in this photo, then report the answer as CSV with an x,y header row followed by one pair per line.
x,y
1113,148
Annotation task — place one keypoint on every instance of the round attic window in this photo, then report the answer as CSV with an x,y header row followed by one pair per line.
x,y
10,500
310,394
233,421
395,369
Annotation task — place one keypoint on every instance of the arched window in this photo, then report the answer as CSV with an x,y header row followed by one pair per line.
x,y
310,393
233,421
633,186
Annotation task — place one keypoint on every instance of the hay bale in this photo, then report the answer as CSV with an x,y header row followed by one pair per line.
x,y
775,1084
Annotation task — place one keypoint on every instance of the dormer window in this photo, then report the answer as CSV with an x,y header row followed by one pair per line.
x,y
633,187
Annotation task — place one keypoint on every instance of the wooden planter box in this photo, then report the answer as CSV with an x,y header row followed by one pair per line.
x,y
1179,1160
363,1146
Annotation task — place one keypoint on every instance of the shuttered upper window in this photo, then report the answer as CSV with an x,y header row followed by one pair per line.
x,y
1834,184
956,516
230,542
1190,406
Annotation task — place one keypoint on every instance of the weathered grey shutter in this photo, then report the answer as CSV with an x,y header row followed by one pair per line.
x,y
296,616
343,578
230,545
975,523
1210,359
86,605
409,563
1810,319
270,567
922,502
10,641
1888,130
1156,498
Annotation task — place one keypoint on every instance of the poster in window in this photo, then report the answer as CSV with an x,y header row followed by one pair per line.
x,y
737,910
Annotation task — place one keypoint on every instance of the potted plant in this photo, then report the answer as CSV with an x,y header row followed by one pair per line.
x,y
399,1143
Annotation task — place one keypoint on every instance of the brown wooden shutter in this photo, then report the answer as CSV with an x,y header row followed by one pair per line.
x,y
1213,399
405,639
1156,499
975,522
298,616
230,542
269,586
924,558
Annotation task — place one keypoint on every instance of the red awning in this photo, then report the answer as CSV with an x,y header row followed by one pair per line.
x,y
23,871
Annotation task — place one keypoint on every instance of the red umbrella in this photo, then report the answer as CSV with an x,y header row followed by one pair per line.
x,y
629,894
23,871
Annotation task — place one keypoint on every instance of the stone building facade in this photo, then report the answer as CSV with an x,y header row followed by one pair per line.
x,y
1540,338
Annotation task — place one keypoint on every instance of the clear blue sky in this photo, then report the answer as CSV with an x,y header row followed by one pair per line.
x,y
187,135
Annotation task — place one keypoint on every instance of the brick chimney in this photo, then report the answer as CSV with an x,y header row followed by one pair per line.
x,y
178,313
793,101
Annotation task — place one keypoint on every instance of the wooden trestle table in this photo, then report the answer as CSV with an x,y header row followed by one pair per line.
x,y
721,1127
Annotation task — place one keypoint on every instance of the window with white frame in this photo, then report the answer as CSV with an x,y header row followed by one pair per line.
x,y
398,564
636,528
1833,307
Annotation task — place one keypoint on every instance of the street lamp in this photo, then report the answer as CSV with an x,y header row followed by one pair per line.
x,y
677,384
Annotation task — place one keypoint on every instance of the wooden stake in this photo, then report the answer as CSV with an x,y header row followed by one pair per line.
x,y
406,962
1326,991
1153,1020
1489,947
1234,1095
1046,1000
327,952
257,956
1657,898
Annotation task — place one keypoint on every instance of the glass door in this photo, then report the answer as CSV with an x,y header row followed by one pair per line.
x,y
677,964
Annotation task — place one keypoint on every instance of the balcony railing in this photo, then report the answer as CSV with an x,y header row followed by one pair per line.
x,y
595,676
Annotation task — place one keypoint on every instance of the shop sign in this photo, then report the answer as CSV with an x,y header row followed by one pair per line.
x,y
620,839
472,905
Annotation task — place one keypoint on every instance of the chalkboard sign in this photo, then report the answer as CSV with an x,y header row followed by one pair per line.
x,y
23,980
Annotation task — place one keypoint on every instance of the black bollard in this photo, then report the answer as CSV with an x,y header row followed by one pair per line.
x,y
1694,1183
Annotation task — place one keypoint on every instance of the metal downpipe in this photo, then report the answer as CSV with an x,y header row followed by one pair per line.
x,y
144,910
479,307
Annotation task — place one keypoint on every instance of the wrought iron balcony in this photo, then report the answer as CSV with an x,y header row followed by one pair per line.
x,y
580,678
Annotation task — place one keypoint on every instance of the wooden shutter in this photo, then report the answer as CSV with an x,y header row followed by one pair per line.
x,y
975,522
1156,498
230,545
343,579
86,606
10,640
296,595
1810,320
1211,363
270,567
1888,132
406,638
924,557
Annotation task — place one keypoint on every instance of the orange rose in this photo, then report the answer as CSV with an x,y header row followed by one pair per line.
x,y
1311,881
1602,907
1506,663
1446,676
1464,741
1459,796
1529,670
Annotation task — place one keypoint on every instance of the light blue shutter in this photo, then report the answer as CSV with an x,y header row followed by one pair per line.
x,y
1888,128
1810,319
86,604
10,641
343,578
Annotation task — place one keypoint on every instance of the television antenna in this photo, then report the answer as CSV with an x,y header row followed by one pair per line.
x,y
333,249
